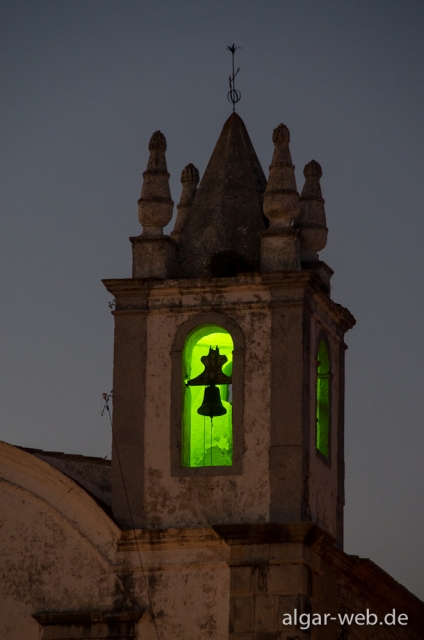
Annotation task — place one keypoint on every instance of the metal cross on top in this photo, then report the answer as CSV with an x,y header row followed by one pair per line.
x,y
233,95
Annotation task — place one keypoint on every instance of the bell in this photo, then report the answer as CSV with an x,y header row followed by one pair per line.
x,y
212,405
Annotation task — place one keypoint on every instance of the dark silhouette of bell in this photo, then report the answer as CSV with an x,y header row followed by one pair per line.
x,y
212,406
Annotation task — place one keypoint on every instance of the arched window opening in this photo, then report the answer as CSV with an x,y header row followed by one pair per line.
x,y
207,435
323,400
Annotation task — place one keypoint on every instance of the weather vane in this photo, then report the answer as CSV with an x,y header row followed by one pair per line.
x,y
233,95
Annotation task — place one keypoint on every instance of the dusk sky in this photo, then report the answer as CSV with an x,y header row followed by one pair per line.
x,y
84,84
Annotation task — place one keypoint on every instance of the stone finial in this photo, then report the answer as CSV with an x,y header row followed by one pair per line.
x,y
190,174
279,244
281,134
155,205
313,174
281,200
157,141
312,170
311,220
153,252
189,180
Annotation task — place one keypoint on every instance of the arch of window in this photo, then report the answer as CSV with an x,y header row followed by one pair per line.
x,y
180,428
323,400
206,442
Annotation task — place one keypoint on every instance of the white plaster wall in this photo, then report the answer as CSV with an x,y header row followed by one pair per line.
x,y
48,560
60,552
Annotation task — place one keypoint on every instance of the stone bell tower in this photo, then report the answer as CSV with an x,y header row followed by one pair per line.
x,y
239,273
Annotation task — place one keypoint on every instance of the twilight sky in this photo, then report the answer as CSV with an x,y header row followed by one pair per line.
x,y
83,87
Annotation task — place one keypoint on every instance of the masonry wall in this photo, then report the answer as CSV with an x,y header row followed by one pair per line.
x,y
206,499
67,571
286,578
276,476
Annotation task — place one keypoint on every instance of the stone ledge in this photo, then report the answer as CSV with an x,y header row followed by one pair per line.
x,y
307,533
77,625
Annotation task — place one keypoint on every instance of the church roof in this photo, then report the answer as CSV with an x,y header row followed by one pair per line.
x,y
91,473
220,236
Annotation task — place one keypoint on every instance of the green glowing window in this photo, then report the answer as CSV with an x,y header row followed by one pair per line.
x,y
323,400
207,437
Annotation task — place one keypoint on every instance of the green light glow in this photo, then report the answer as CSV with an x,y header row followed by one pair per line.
x,y
323,400
206,442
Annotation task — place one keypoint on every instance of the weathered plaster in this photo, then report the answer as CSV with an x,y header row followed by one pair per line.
x,y
66,571
278,315
60,552
56,544
179,501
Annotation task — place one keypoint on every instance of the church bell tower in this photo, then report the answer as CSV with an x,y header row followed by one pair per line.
x,y
229,351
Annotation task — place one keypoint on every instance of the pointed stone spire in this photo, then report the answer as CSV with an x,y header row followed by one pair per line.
x,y
155,205
279,245
153,252
311,220
220,236
189,180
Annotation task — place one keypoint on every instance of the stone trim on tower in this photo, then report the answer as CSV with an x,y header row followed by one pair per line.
x,y
154,252
311,221
279,243
93,624
189,180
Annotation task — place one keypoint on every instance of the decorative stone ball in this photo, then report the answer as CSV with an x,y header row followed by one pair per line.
x,y
312,170
281,135
157,141
190,174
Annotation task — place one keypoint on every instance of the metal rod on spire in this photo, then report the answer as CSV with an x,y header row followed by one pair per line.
x,y
233,95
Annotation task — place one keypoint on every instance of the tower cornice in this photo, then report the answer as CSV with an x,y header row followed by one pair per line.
x,y
137,293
